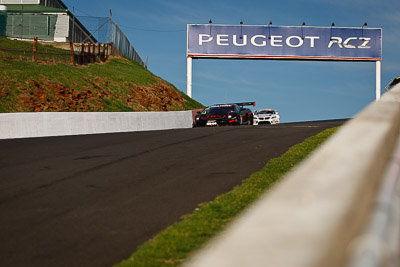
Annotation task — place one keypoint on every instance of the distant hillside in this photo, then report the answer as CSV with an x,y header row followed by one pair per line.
x,y
117,85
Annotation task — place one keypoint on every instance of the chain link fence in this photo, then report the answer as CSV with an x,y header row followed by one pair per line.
x,y
122,44
107,31
99,27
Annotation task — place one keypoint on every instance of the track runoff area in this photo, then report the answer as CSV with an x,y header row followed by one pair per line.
x,y
90,200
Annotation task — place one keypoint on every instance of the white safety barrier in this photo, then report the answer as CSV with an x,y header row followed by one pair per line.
x,y
40,124
317,215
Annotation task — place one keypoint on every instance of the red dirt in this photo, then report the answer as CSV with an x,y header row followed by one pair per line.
x,y
160,96
45,95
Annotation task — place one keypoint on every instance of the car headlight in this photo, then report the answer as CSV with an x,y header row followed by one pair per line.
x,y
229,116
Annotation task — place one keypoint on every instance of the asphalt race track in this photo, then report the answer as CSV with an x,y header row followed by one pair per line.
x,y
91,200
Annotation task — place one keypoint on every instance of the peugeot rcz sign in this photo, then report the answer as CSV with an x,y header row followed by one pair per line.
x,y
277,42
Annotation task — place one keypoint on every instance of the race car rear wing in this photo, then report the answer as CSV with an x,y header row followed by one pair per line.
x,y
239,104
246,104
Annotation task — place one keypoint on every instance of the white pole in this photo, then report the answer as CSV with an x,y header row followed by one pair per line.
x,y
189,77
378,80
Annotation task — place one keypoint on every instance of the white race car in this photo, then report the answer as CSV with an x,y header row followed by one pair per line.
x,y
269,116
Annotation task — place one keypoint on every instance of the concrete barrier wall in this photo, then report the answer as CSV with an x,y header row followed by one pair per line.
x,y
22,125
317,214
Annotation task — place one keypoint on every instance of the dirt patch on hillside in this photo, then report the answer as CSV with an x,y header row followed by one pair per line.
x,y
4,90
45,95
159,96
49,96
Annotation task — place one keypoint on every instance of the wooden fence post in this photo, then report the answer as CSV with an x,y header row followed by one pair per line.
x,y
94,53
89,56
72,52
98,51
103,53
35,40
83,54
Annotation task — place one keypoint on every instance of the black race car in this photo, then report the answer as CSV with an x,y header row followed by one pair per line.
x,y
224,114
246,116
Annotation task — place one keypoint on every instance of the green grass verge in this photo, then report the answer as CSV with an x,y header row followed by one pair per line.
x,y
173,245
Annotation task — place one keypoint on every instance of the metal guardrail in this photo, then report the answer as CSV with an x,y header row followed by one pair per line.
x,y
320,214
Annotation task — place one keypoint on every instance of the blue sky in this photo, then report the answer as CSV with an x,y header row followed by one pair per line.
x,y
301,91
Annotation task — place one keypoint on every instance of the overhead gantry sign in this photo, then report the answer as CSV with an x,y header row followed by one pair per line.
x,y
283,43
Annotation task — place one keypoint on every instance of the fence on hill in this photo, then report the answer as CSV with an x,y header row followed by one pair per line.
x,y
122,44
69,53
108,34
105,30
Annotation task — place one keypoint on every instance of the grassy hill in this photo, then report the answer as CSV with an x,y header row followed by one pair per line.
x,y
120,84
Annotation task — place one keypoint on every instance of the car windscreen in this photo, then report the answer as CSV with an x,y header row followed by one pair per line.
x,y
217,110
265,112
